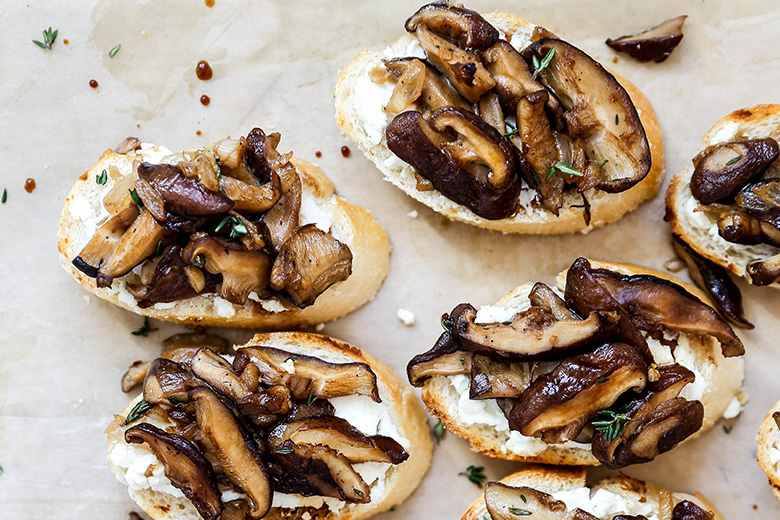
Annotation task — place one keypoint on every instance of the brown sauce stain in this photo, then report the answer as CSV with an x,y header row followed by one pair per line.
x,y
345,151
209,3
205,100
29,185
203,70
66,42
318,154
93,83
198,132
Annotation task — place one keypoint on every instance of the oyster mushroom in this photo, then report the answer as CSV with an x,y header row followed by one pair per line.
x,y
408,87
654,44
532,334
601,107
167,382
242,271
248,198
106,239
470,163
309,262
491,379
184,466
283,218
765,272
182,195
266,407
508,503
308,376
723,170
240,460
436,92
219,374
716,281
446,358
557,405
543,296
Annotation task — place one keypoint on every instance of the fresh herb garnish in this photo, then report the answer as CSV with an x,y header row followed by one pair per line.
x,y
512,130
539,66
733,160
563,168
49,37
535,177
5,195
237,227
525,500
175,401
310,400
158,249
617,119
439,430
113,51
291,358
358,492
199,261
136,198
1,470
102,178
612,425
519,512
446,324
144,330
138,410
727,429
602,380
283,450
475,474
602,163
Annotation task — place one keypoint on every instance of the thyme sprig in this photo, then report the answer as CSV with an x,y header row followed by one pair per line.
x,y
138,410
49,37
539,66
144,330
564,168
237,227
113,51
612,424
475,474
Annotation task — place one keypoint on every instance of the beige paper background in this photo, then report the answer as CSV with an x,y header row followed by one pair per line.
x,y
62,353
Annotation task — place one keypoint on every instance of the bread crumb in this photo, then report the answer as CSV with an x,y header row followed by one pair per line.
x,y
319,327
413,214
406,316
674,265
86,298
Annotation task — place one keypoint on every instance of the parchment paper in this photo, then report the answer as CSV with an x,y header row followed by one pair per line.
x,y
275,64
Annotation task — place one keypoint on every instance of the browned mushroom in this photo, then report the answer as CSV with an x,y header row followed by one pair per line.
x,y
105,240
722,170
304,409
309,377
309,262
317,470
687,510
266,407
436,92
283,218
135,375
613,131
181,194
248,198
242,271
490,111
741,227
190,342
336,433
408,88
184,466
219,374
235,510
508,503
167,382
543,296
465,26
558,404
446,358
240,460
532,334
716,281
492,379
652,302
764,272
654,44
465,158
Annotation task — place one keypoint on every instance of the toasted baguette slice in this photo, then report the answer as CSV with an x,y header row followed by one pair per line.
x,y
351,224
769,449
697,228
391,488
356,95
718,386
611,496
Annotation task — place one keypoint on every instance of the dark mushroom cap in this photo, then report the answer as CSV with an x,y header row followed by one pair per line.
x,y
105,240
508,503
687,510
491,379
181,194
724,169
446,358
436,91
654,44
167,382
765,272
184,465
465,26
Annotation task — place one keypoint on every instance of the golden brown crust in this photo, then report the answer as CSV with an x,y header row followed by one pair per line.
x,y
366,238
408,414
769,440
605,207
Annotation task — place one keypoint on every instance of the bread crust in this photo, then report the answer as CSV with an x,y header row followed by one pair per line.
x,y
550,479
353,224
405,408
724,378
768,441
605,207
684,213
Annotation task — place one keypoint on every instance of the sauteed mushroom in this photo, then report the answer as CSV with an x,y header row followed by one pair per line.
x,y
181,194
654,44
687,510
492,379
468,27
137,243
436,92
106,239
764,272
167,382
504,503
446,358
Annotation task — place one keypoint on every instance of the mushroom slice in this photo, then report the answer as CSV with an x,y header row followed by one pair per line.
x,y
532,335
490,111
654,44
515,79
240,460
716,281
762,200
219,374
194,341
242,271
266,407
105,240
309,377
543,296
740,227
235,510
317,470
336,433
723,170
575,390
584,294
137,243
584,86
309,262
181,194
492,379
135,375
283,218
252,199
465,26
687,510
472,184
446,358
436,92
508,503
318,407
167,382
764,272
408,88
184,465
652,302
461,67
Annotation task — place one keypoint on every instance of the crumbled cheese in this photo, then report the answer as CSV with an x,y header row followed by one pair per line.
x,y
230,495
271,304
406,316
733,409
158,154
312,212
370,100
727,132
369,417
136,461
605,504
413,214
494,314
319,327
223,308
164,306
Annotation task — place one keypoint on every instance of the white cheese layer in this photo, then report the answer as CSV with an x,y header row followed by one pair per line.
x,y
605,504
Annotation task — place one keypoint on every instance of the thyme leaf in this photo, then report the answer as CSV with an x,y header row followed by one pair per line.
x,y
733,160
144,330
113,51
539,66
102,178
439,430
519,512
612,425
138,410
136,198
283,450
564,168
49,37
475,474
310,400
5,195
